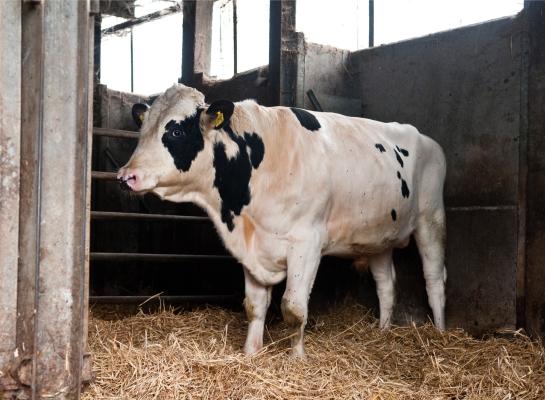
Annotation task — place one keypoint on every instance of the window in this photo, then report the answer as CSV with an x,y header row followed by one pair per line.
x,y
252,24
340,23
156,51
397,20
345,23
222,54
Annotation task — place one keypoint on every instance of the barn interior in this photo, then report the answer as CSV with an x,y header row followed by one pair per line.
x,y
478,90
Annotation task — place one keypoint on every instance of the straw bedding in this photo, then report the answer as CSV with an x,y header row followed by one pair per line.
x,y
196,355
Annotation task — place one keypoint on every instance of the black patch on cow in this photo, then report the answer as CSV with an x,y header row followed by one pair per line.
x,y
398,175
257,148
394,214
183,141
306,119
404,188
403,151
399,159
380,147
233,175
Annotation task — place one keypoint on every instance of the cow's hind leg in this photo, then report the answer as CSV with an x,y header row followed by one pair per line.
x,y
430,238
303,261
382,268
256,303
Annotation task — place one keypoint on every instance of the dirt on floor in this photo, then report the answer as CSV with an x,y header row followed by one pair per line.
x,y
196,354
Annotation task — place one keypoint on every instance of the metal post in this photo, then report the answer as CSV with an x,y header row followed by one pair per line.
x,y
132,63
283,60
235,47
55,132
197,39
371,23
10,125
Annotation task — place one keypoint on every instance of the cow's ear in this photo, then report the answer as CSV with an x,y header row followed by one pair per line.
x,y
138,113
219,113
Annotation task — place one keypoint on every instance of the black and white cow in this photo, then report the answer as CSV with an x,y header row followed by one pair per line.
x,y
285,186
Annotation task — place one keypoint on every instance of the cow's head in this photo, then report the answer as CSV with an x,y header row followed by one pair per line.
x,y
174,153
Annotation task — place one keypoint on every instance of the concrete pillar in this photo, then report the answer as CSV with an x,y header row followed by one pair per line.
x,y
53,235
197,39
10,125
286,53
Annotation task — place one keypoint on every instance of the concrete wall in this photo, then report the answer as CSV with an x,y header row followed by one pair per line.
x,y
324,70
462,88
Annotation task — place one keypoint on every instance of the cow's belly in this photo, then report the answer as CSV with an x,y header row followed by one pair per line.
x,y
365,246
355,235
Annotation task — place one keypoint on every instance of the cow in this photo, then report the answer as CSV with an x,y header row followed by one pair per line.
x,y
285,186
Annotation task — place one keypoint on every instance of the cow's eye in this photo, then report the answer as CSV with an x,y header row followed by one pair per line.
x,y
176,133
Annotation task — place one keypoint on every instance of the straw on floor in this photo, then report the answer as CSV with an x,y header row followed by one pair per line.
x,y
197,355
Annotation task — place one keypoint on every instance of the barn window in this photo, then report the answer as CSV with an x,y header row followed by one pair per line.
x,y
238,25
397,20
344,25
146,57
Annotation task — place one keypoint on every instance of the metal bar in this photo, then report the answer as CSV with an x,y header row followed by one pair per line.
x,y
168,299
314,100
116,133
97,256
235,50
522,176
371,23
104,176
283,39
108,215
481,208
30,187
142,20
97,43
10,150
132,62
86,368
188,42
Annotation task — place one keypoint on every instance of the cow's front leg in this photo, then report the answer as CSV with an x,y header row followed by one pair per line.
x,y
256,303
303,261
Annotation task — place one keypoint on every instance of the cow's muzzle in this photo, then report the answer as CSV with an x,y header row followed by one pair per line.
x,y
127,180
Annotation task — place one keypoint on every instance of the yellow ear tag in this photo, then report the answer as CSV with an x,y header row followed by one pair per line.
x,y
141,117
219,119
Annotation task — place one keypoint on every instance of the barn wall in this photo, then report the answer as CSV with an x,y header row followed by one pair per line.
x,y
324,70
462,88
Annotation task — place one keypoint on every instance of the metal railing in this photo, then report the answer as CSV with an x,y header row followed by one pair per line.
x,y
147,257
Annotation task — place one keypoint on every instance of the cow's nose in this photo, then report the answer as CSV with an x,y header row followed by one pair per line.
x,y
127,179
